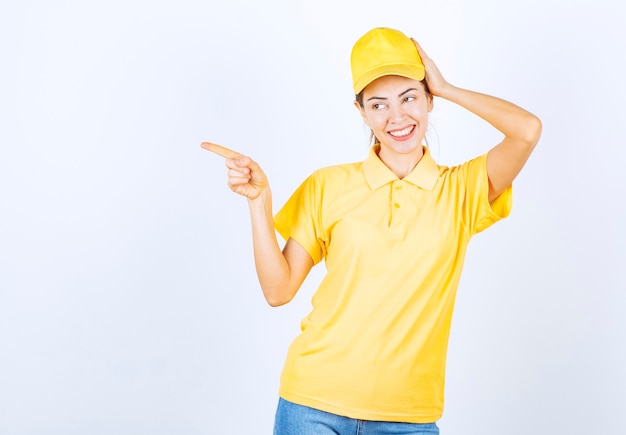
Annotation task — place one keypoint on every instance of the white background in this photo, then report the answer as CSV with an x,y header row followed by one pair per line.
x,y
128,298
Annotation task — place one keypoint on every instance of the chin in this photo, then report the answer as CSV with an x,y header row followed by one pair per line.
x,y
408,147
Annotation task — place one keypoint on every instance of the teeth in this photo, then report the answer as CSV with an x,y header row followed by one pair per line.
x,y
401,133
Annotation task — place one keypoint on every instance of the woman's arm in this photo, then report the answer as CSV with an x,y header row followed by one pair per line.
x,y
281,273
521,128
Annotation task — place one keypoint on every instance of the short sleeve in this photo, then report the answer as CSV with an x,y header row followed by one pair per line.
x,y
480,213
300,220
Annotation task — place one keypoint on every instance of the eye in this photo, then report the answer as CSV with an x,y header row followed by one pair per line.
x,y
409,99
378,106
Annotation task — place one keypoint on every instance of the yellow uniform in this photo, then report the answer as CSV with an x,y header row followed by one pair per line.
x,y
374,345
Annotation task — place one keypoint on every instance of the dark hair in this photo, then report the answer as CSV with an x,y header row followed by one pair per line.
x,y
359,99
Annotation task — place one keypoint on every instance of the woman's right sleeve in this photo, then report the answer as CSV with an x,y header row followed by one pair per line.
x,y
300,218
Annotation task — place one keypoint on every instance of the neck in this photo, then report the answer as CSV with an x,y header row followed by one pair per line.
x,y
400,164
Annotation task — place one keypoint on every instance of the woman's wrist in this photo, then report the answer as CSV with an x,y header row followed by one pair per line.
x,y
447,91
264,198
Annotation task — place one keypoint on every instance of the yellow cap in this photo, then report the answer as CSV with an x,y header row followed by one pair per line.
x,y
382,52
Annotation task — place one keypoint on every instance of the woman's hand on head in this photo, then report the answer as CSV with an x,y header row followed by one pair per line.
x,y
245,176
434,78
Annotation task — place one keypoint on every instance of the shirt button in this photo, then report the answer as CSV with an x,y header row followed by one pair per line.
x,y
396,205
398,187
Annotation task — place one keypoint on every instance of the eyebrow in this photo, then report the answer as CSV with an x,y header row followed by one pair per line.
x,y
399,95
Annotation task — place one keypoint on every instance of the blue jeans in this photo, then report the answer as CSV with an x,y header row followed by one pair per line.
x,y
292,419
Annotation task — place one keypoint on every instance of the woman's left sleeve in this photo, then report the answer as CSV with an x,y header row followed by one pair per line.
x,y
480,213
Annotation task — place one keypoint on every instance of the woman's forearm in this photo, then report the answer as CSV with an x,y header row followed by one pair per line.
x,y
511,120
271,265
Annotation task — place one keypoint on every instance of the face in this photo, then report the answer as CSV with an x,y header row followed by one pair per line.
x,y
396,109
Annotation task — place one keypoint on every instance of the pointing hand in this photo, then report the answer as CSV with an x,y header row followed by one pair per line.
x,y
245,176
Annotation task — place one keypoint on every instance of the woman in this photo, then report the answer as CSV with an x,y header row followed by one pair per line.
x,y
393,232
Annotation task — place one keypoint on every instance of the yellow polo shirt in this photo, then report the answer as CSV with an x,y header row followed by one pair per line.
x,y
374,345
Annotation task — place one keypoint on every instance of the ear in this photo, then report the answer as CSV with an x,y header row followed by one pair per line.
x,y
361,111
431,102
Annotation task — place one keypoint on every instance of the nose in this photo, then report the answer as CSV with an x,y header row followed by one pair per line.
x,y
396,113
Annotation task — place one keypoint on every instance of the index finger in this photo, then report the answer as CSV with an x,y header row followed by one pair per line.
x,y
220,150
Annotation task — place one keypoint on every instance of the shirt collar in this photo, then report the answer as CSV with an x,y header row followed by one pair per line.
x,y
377,174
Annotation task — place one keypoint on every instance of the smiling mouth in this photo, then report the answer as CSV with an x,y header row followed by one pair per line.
x,y
402,133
